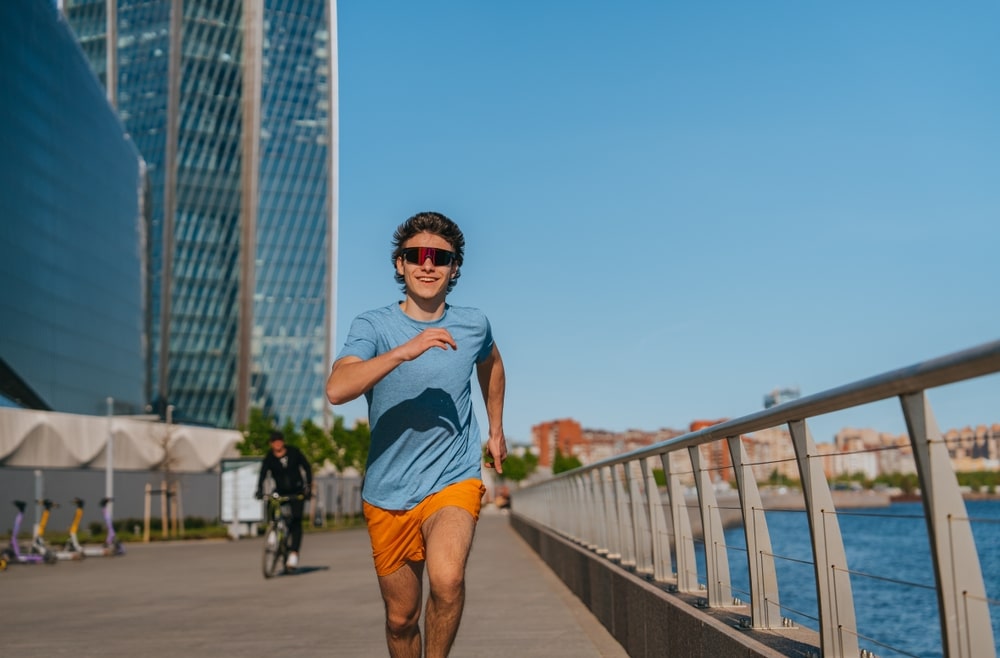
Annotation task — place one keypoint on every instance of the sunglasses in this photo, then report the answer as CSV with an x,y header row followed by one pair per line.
x,y
419,255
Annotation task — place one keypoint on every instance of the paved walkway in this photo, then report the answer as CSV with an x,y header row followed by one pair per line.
x,y
208,598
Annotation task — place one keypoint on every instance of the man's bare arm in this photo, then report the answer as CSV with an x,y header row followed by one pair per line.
x,y
493,383
352,376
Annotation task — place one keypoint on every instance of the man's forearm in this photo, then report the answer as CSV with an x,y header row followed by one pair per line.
x,y
352,377
493,382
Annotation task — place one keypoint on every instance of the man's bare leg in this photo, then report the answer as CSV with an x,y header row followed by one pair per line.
x,y
402,591
448,537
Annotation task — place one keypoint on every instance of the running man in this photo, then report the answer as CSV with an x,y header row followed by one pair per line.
x,y
413,361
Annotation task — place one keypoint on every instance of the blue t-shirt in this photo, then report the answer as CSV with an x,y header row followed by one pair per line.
x,y
423,429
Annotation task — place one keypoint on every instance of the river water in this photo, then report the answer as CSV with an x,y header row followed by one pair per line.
x,y
897,610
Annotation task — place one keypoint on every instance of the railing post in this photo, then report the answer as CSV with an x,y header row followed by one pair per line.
x,y
600,512
659,545
765,610
572,511
642,559
587,521
625,518
614,515
837,625
553,511
687,571
965,615
565,508
717,576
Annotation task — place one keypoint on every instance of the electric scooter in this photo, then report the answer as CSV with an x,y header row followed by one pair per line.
x,y
40,545
111,545
13,555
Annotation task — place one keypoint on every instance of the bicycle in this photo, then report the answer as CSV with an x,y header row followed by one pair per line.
x,y
277,535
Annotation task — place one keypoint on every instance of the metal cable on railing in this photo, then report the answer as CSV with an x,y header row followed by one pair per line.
x,y
896,651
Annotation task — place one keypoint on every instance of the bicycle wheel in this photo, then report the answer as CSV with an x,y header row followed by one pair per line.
x,y
274,550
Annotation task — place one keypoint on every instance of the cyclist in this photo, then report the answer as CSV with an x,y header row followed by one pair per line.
x,y
292,476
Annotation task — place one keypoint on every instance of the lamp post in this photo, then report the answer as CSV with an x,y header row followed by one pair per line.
x,y
109,467
109,453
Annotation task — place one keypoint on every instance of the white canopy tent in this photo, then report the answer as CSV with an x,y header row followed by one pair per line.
x,y
46,439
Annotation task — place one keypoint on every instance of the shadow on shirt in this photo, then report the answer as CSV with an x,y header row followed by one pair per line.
x,y
432,408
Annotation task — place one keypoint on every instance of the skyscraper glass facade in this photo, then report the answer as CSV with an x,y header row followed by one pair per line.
x,y
291,301
230,103
71,211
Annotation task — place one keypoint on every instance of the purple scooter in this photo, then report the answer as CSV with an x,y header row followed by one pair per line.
x,y
111,545
13,555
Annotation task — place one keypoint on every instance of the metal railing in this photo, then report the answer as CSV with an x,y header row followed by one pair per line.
x,y
616,508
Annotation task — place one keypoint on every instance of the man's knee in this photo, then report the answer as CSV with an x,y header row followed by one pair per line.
x,y
402,623
448,586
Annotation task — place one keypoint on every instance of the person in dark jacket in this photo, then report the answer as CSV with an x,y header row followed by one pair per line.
x,y
292,476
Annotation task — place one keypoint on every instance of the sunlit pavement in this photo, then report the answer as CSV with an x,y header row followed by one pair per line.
x,y
209,598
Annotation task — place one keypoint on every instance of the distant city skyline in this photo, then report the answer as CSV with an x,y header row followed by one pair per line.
x,y
853,450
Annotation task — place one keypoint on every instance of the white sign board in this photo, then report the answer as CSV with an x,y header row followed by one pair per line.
x,y
239,482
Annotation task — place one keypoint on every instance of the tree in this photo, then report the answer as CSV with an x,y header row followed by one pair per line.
x,y
316,444
350,446
907,482
530,461
293,437
256,433
341,447
517,468
562,463
779,479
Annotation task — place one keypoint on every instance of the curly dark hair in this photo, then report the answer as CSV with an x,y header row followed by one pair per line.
x,y
436,224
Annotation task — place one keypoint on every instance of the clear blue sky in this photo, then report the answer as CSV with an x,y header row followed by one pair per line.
x,y
672,208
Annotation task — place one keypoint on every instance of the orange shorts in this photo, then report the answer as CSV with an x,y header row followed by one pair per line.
x,y
395,534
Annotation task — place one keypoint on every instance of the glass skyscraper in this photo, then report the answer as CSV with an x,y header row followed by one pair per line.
x,y
232,104
72,219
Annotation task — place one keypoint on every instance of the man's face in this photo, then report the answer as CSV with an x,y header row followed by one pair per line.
x,y
426,280
278,447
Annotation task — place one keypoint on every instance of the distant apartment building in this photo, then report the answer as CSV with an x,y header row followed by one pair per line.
x,y
870,453
588,445
72,298
564,435
975,448
232,104
598,445
771,452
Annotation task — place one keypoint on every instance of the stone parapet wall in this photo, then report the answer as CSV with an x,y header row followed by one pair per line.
x,y
646,619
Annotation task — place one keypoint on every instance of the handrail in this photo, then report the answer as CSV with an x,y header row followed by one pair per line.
x,y
949,369
614,508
